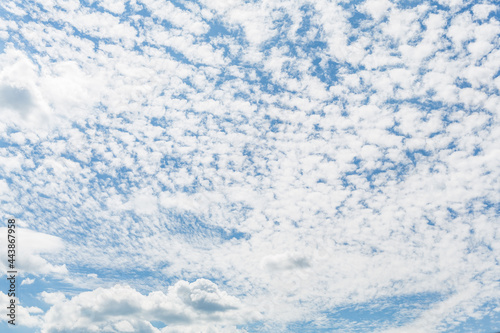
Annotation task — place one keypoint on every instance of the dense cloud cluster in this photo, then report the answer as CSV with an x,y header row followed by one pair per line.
x,y
309,157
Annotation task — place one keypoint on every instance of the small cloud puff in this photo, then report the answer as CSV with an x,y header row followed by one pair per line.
x,y
53,298
27,281
34,244
30,315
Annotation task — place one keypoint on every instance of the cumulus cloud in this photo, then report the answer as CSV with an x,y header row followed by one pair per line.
x,y
27,281
124,309
18,99
32,246
53,298
30,315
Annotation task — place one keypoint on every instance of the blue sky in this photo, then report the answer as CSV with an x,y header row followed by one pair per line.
x,y
252,166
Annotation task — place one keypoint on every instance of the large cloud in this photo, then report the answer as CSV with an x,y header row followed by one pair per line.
x,y
123,309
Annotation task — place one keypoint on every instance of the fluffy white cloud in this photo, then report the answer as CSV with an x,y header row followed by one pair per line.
x,y
31,248
21,102
184,308
53,298
27,281
30,315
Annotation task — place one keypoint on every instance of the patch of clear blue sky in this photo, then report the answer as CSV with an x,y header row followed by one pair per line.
x,y
490,323
5,327
158,324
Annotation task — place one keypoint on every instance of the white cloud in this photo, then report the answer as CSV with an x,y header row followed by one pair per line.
x,y
114,6
125,309
30,315
27,281
145,203
376,8
53,298
189,21
482,11
20,99
31,248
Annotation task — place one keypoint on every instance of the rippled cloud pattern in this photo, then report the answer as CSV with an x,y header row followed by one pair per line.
x,y
252,166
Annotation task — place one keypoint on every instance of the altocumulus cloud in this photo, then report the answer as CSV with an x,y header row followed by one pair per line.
x,y
276,166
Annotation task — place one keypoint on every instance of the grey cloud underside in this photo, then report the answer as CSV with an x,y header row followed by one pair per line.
x,y
200,302
18,99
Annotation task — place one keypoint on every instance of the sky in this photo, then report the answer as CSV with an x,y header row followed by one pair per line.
x,y
251,166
